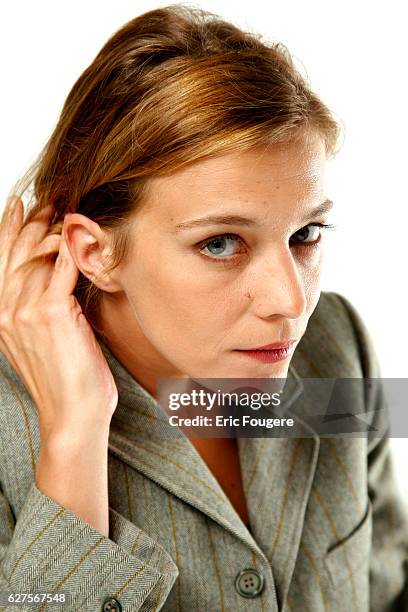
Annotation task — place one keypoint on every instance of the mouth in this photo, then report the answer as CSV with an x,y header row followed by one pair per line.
x,y
270,353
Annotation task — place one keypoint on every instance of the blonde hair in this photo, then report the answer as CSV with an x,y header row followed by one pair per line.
x,y
170,87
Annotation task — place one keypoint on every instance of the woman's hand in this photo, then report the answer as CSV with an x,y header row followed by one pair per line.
x,y
43,332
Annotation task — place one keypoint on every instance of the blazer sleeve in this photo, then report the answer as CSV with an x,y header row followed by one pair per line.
x,y
389,550
47,548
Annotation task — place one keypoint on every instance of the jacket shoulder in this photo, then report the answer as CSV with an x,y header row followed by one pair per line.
x,y
337,343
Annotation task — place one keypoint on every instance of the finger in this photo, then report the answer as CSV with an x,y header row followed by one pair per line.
x,y
49,244
24,238
25,284
9,229
11,200
66,273
14,208
36,273
30,218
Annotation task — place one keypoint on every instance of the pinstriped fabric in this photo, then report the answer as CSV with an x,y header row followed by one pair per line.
x,y
33,542
324,513
158,597
348,541
336,534
128,496
348,477
126,583
331,350
181,531
316,574
216,569
135,544
5,578
18,399
74,569
177,555
262,595
8,524
281,513
181,468
89,552
254,466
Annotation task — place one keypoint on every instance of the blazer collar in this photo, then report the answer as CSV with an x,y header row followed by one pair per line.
x,y
277,473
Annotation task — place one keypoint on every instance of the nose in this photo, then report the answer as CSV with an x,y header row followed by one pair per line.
x,y
277,288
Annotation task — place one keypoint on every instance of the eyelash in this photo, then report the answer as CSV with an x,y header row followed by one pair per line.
x,y
221,260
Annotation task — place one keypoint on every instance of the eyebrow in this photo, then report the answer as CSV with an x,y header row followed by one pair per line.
x,y
226,219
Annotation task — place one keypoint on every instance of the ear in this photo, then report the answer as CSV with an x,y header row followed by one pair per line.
x,y
89,246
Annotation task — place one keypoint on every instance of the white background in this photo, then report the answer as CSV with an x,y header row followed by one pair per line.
x,y
355,57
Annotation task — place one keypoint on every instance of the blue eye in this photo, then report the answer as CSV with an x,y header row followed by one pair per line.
x,y
222,248
221,245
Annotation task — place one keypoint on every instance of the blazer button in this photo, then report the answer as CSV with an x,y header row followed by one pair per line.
x,y
111,604
249,583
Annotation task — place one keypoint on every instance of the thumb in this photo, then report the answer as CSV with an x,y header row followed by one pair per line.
x,y
66,273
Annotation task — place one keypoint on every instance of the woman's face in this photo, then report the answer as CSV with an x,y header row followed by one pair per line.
x,y
226,257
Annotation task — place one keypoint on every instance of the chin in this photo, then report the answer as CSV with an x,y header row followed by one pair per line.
x,y
252,369
265,371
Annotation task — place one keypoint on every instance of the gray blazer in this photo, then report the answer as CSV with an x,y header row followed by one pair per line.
x,y
328,531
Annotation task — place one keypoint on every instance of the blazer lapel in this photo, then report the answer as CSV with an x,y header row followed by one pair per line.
x,y
277,472
141,436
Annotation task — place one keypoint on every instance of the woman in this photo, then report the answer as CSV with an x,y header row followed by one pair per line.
x,y
183,192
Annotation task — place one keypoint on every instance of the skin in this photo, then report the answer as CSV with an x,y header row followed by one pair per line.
x,y
171,311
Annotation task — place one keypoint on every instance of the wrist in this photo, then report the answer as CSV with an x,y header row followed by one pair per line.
x,y
71,441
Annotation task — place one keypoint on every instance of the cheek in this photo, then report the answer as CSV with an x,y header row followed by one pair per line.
x,y
311,276
176,299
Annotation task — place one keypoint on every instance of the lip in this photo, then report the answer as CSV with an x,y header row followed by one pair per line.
x,y
273,346
270,353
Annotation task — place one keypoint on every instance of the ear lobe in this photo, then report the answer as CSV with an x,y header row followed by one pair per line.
x,y
106,281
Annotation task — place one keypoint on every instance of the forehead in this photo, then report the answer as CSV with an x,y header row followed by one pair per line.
x,y
280,173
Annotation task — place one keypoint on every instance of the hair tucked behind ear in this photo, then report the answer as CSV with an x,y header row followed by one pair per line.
x,y
170,87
